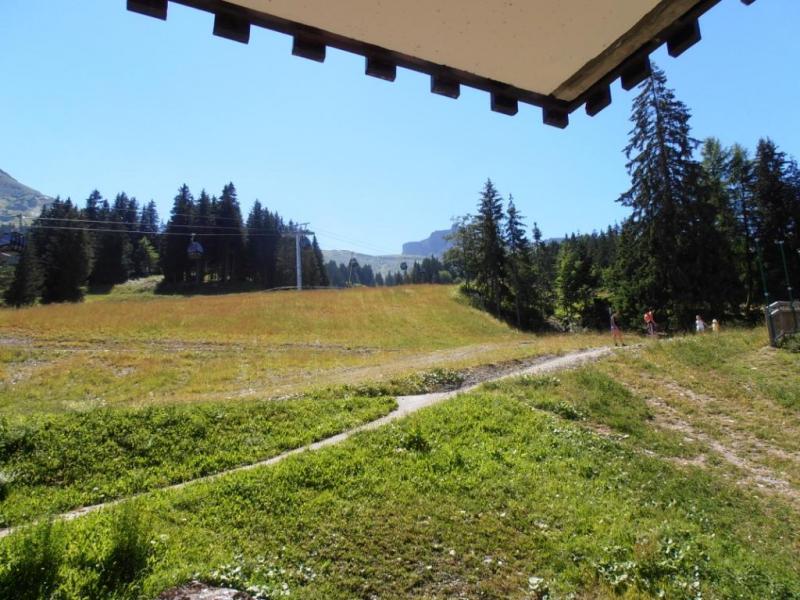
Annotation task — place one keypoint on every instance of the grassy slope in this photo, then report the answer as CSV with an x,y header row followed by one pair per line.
x,y
140,349
130,391
559,487
54,463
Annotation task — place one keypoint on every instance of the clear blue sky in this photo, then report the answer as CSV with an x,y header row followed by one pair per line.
x,y
93,96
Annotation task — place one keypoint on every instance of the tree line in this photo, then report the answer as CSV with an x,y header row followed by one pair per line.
x,y
706,235
712,233
430,270
106,243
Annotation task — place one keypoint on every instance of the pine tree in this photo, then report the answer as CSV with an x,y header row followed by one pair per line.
x,y
175,263
575,282
144,258
149,223
255,245
490,253
64,254
740,190
27,283
232,257
671,256
519,259
776,213
113,248
462,256
320,264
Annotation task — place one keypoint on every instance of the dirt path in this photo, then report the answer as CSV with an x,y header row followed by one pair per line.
x,y
734,446
406,405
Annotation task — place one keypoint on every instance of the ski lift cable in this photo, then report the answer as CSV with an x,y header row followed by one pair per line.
x,y
137,223
364,245
191,226
129,231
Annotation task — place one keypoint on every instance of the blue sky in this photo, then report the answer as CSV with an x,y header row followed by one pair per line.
x,y
93,96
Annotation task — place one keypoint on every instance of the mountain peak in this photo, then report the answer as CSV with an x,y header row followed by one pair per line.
x,y
17,198
434,245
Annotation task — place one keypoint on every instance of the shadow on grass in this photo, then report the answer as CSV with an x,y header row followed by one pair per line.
x,y
211,288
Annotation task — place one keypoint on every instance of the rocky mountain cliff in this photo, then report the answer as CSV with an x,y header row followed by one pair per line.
x,y
435,244
17,198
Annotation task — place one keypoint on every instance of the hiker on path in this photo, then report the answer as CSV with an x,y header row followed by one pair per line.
x,y
699,324
650,322
616,332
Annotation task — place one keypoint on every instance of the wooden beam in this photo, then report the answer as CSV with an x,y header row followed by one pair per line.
x,y
555,118
232,27
307,49
504,104
635,73
684,38
445,86
598,100
381,68
151,8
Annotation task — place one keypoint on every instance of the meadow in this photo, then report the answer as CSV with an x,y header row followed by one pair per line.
x,y
135,349
669,469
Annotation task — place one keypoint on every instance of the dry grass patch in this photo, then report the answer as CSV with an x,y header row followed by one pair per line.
x,y
145,350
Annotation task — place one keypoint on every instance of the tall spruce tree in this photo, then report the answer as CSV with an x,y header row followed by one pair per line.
x,y
489,279
740,190
27,282
575,283
462,256
256,244
232,257
519,260
671,257
175,262
319,260
64,254
776,213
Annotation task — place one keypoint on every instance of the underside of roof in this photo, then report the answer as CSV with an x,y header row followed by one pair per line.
x,y
555,54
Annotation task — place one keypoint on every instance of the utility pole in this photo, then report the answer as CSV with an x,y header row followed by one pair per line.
x,y
788,282
770,325
298,233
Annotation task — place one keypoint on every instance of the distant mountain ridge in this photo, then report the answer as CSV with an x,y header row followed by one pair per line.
x,y
17,198
435,244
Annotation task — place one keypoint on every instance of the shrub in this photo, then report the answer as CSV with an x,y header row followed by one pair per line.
x,y
6,479
30,563
415,441
790,343
129,550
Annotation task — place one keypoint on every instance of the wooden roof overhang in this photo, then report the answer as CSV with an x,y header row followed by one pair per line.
x,y
555,54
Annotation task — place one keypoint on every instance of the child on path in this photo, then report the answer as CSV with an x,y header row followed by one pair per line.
x,y
616,332
714,325
699,324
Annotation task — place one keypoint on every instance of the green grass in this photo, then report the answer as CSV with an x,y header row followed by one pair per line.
x,y
53,463
142,349
479,497
732,387
591,396
571,485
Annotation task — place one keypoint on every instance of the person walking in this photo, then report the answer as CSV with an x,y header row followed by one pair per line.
x,y
650,322
699,324
714,325
616,331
